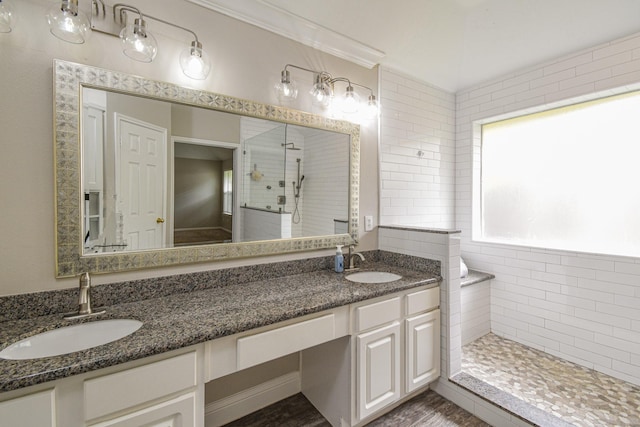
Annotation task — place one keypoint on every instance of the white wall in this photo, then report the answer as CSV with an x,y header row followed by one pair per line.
x,y
416,117
246,63
582,307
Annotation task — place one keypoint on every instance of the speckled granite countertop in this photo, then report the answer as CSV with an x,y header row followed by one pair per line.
x,y
182,319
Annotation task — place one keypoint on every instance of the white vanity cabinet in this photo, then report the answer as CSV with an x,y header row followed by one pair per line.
x,y
397,348
422,344
158,394
377,355
159,391
36,409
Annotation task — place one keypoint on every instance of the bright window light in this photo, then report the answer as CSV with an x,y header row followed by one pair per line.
x,y
567,178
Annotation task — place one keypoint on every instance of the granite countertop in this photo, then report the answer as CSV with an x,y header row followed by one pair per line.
x,y
474,277
179,320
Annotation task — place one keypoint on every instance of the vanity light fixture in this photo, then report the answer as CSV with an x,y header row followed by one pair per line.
x,y
7,16
322,91
68,23
140,45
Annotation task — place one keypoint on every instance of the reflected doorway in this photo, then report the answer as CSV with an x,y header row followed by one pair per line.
x,y
202,187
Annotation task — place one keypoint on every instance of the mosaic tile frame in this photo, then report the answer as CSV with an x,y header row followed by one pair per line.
x,y
69,78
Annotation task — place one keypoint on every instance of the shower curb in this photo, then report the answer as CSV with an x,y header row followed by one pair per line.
x,y
508,402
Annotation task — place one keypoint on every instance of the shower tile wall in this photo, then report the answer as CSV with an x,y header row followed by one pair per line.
x,y
417,153
271,170
583,308
325,174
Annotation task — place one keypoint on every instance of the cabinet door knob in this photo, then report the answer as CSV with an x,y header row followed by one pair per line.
x,y
159,220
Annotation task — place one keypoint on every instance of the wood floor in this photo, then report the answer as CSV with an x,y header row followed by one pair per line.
x,y
426,409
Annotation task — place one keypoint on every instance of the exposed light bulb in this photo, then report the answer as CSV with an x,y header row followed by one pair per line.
x,y
321,91
67,23
7,16
351,101
137,42
286,89
195,62
373,109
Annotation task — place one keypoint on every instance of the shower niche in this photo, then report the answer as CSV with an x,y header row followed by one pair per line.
x,y
294,183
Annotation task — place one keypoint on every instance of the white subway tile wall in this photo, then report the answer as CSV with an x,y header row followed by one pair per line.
x,y
446,249
581,307
475,311
325,174
417,153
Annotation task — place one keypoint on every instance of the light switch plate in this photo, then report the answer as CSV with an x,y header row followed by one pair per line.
x,y
368,222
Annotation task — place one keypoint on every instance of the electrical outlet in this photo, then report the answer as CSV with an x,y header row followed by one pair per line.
x,y
368,222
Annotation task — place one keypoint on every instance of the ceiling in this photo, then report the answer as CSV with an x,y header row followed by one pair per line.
x,y
455,44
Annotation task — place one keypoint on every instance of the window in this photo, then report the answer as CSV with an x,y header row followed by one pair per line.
x,y
567,178
227,192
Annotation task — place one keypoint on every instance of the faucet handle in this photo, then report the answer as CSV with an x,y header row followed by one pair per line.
x,y
85,280
84,299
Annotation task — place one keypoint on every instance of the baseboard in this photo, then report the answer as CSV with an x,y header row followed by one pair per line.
x,y
236,406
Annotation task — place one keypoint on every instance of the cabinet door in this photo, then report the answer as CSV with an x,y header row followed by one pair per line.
x,y
378,356
36,409
423,350
178,412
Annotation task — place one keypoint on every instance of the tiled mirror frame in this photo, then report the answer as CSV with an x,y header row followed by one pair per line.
x,y
69,78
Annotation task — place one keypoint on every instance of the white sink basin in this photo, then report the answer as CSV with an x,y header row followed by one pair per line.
x,y
372,277
70,338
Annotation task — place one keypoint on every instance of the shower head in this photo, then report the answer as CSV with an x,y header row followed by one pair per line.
x,y
292,146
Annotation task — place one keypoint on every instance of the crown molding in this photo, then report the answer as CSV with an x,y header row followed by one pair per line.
x,y
267,16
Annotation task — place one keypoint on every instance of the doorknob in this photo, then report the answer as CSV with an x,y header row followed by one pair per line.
x,y
159,220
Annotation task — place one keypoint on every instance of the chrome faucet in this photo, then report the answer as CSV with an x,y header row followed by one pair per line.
x,y
352,256
84,300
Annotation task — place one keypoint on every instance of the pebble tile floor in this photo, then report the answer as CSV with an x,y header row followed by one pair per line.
x,y
577,395
426,409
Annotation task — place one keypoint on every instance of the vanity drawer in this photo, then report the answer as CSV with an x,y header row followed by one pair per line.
x,y
37,409
376,314
116,392
423,301
258,348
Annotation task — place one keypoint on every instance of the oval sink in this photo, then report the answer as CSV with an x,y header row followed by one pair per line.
x,y
70,338
372,277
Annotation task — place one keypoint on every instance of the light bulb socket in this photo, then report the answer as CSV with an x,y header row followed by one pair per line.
x,y
285,77
140,27
70,6
196,48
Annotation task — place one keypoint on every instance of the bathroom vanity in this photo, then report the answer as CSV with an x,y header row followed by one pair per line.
x,y
363,347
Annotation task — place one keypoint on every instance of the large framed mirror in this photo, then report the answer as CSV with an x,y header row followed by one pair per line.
x,y
152,174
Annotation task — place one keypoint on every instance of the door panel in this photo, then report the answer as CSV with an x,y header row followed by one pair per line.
x,y
423,349
141,197
378,369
